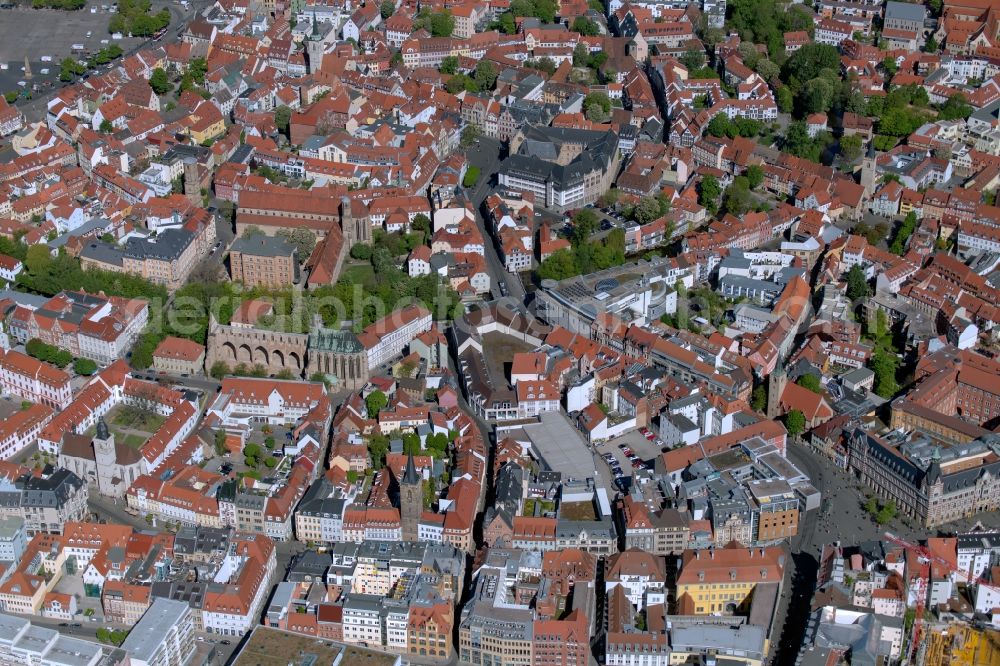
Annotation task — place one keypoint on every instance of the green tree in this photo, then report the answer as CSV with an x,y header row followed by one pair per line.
x,y
810,382
375,402
361,251
378,446
955,108
797,139
70,68
584,224
795,422
585,26
768,70
884,363
38,259
596,107
411,444
755,176
282,118
106,127
647,210
785,99
485,75
709,192
220,442
459,82
219,370
693,59
738,199
387,8
198,68
252,450
758,399
903,233
889,66
470,134
442,24
507,23
449,65
809,62
857,284
720,126
421,223
886,513
545,64
159,81
850,147
560,265
303,239
84,366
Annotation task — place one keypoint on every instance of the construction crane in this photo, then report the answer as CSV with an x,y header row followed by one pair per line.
x,y
920,591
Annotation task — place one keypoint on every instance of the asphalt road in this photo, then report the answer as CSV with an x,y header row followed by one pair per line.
x,y
113,510
485,154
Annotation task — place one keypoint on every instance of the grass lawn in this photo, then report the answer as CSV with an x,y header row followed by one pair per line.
x,y
144,421
546,506
471,177
134,441
362,274
577,511
273,647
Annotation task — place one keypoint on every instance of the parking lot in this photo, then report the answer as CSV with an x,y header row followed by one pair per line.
x,y
637,443
607,220
51,33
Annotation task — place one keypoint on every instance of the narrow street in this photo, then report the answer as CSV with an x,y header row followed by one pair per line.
x,y
485,154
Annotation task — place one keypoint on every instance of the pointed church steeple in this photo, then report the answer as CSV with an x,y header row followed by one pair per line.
x,y
102,430
410,476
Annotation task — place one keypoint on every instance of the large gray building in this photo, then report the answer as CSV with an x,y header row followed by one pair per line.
x,y
45,502
563,168
163,637
638,292
904,16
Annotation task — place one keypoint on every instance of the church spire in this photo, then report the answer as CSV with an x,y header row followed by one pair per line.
x,y
410,476
102,430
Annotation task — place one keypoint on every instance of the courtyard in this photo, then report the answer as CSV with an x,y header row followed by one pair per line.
x,y
130,425
499,350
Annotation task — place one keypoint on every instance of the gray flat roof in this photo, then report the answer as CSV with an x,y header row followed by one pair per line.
x,y
73,652
10,627
263,246
147,634
561,446
10,526
904,10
